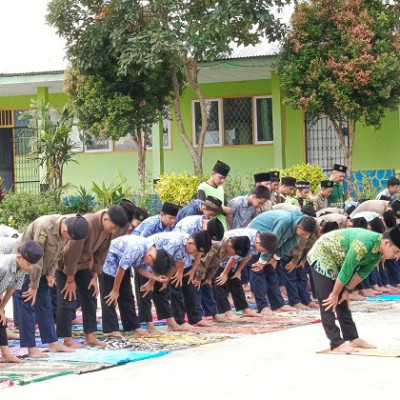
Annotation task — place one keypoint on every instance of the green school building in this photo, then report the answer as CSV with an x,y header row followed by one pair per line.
x,y
248,127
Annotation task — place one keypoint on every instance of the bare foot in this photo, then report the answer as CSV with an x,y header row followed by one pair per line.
x,y
139,332
151,329
286,308
312,304
9,358
300,306
69,342
180,328
34,352
116,335
219,318
248,312
12,335
230,316
57,347
344,348
356,297
93,341
76,322
203,324
361,344
381,289
266,311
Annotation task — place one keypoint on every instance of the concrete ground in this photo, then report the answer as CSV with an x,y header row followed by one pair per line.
x,y
279,365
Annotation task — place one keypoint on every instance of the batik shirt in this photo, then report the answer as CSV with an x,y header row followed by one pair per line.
x,y
190,225
341,253
10,275
7,244
336,199
125,252
151,226
242,213
174,243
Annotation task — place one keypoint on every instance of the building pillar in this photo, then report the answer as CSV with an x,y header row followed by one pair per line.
x,y
42,94
278,122
158,149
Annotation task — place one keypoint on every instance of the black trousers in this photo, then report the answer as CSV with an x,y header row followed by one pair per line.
x,y
65,307
183,300
323,287
126,304
233,286
160,300
3,335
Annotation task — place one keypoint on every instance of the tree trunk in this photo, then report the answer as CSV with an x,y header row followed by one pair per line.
x,y
140,141
197,162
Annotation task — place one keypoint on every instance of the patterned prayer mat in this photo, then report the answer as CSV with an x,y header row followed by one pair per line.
x,y
383,352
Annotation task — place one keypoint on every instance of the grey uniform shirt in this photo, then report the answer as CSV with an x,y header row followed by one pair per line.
x,y
7,244
10,275
320,202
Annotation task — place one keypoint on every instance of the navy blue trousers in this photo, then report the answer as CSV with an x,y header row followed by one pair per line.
x,y
205,301
265,283
383,275
41,313
295,283
393,272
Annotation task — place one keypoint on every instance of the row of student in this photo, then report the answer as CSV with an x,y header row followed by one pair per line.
x,y
82,260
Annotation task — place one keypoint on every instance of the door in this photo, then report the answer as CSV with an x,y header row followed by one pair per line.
x,y
6,158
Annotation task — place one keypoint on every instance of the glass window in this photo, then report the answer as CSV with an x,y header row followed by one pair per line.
x,y
238,121
93,144
213,134
263,119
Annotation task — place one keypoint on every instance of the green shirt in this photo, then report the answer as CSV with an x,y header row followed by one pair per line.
x,y
217,192
336,199
341,253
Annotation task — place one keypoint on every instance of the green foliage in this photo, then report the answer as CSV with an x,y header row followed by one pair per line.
x,y
53,146
20,209
234,186
178,188
306,172
81,202
342,59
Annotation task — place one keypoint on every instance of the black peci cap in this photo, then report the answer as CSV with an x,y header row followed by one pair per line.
x,y
170,209
77,227
303,185
262,177
327,184
340,168
31,251
221,168
140,213
390,218
129,208
202,241
288,181
394,234
274,176
214,203
241,245
215,229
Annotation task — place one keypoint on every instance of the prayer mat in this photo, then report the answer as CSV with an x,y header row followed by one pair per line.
x,y
187,340
383,352
37,371
385,297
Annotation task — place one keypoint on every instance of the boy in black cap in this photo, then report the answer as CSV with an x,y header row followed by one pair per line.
x,y
213,187
336,199
320,201
13,268
209,208
286,189
392,190
263,179
79,267
303,193
34,300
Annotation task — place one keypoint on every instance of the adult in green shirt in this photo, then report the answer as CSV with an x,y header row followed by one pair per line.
x,y
213,187
339,261
336,199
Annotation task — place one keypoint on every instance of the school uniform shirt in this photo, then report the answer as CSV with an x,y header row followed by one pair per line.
x,y
191,224
151,226
126,252
378,206
210,263
264,207
300,252
368,215
286,206
340,219
7,244
339,254
78,255
283,224
7,231
393,197
46,231
174,243
250,233
192,208
336,199
242,212
10,275
205,190
329,210
320,202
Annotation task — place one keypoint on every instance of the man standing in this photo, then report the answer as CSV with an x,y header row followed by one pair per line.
x,y
81,263
339,261
52,232
336,199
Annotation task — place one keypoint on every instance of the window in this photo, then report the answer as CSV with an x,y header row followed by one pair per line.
x,y
246,121
263,119
93,144
213,134
24,136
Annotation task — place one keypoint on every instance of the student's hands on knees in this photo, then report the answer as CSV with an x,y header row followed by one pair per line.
x,y
197,284
147,288
345,297
257,267
237,275
177,278
290,267
112,297
93,283
30,294
3,319
221,279
69,291
190,275
331,302
51,280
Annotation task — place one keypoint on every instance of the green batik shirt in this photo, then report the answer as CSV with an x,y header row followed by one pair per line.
x,y
341,253
336,199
